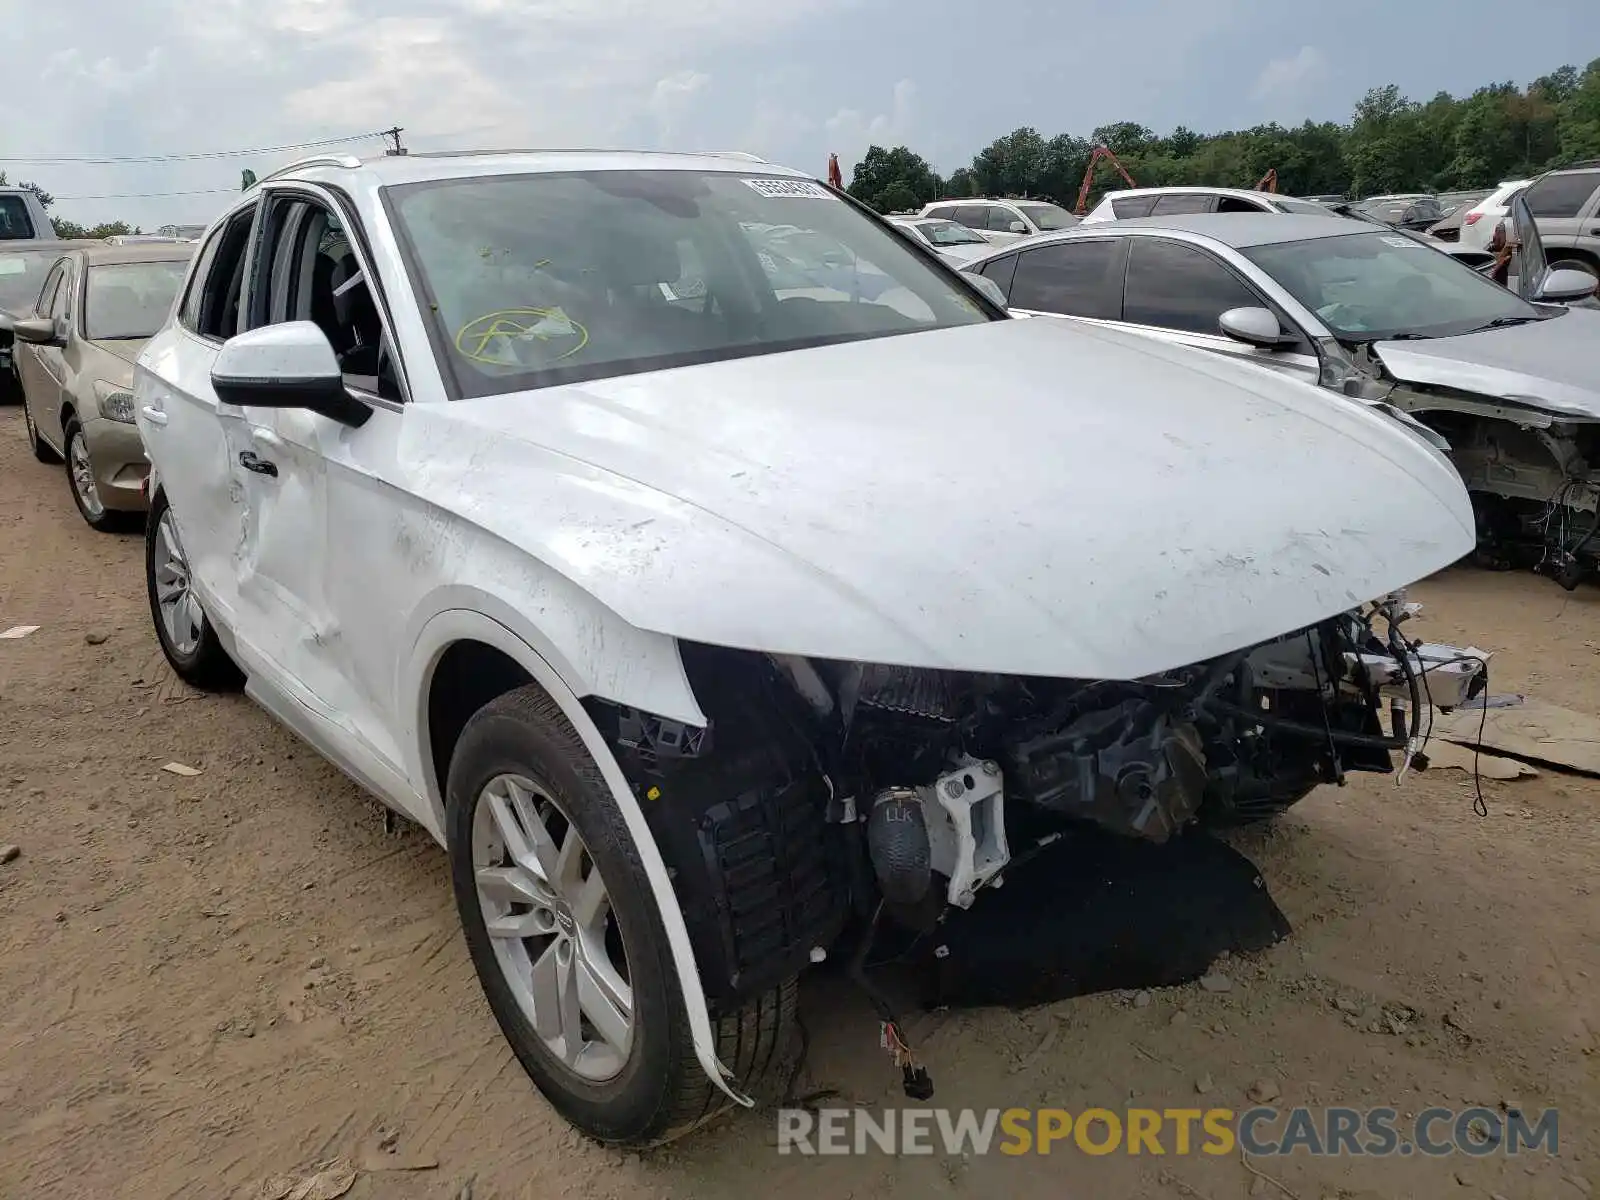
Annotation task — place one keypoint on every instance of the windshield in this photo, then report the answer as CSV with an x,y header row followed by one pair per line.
x,y
948,233
541,279
130,300
1371,286
22,274
1048,216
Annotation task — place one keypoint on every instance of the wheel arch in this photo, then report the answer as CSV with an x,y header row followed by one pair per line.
x,y
1582,254
510,650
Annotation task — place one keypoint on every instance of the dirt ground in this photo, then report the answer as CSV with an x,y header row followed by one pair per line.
x,y
208,980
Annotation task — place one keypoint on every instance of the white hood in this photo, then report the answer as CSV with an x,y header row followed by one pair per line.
x,y
1017,497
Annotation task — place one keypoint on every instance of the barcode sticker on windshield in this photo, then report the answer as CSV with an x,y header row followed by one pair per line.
x,y
799,189
1404,243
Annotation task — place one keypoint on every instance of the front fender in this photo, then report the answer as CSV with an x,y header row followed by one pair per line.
x,y
447,627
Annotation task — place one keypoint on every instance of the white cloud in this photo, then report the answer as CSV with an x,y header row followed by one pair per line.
x,y
849,133
202,75
671,99
1292,75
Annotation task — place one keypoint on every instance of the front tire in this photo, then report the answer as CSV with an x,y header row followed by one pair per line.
x,y
187,638
567,941
85,491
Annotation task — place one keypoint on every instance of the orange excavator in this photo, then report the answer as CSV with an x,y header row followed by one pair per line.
x,y
1095,156
1269,181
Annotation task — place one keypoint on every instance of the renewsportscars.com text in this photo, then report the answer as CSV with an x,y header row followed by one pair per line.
x,y
1262,1132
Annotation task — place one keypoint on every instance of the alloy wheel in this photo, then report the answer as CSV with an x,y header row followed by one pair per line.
x,y
82,472
181,617
548,916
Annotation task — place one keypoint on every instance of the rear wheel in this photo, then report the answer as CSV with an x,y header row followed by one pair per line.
x,y
568,944
187,638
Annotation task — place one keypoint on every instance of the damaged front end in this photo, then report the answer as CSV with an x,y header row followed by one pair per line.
x,y
820,788
1534,478
1532,472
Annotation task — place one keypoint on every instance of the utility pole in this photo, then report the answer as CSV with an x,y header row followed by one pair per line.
x,y
394,133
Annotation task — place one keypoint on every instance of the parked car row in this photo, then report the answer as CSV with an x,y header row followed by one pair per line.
x,y
720,575
71,347
1508,377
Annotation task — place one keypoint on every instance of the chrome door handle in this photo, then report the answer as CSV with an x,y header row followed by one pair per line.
x,y
154,415
252,461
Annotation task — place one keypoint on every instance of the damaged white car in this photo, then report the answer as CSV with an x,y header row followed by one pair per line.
x,y
700,615
1507,376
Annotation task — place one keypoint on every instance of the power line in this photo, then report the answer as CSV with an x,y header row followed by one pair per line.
x,y
197,156
152,195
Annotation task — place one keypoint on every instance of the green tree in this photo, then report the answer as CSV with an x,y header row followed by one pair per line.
x,y
1012,165
1579,129
72,230
45,198
891,179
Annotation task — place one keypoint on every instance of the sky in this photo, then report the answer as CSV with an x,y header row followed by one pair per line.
x,y
791,80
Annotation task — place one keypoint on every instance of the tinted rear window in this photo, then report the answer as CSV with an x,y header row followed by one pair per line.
x,y
1561,195
1128,207
15,224
1183,202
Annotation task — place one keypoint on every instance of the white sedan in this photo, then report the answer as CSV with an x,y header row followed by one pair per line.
x,y
661,588
954,243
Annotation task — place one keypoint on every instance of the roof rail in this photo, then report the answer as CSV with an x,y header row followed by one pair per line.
x,y
348,161
744,154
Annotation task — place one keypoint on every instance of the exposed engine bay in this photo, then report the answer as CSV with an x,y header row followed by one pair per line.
x,y
818,789
1533,473
1534,487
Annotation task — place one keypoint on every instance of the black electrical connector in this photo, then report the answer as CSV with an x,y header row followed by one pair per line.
x,y
917,1082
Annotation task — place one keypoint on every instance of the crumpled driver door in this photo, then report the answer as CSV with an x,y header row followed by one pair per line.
x,y
279,554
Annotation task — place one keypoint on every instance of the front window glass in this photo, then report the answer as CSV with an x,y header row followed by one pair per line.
x,y
1048,216
22,273
130,300
948,233
550,278
1372,286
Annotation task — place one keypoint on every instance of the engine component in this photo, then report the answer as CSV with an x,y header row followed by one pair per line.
x,y
756,871
1454,675
897,841
739,811
655,738
930,695
1131,768
966,821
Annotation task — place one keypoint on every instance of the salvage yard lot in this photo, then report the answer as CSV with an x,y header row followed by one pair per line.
x,y
208,980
